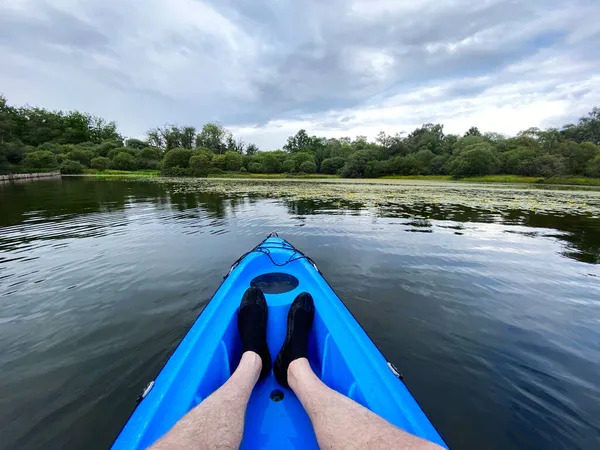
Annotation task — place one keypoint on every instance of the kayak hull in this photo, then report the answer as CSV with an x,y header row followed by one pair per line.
x,y
340,353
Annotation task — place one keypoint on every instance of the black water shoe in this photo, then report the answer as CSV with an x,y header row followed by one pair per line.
x,y
299,323
252,327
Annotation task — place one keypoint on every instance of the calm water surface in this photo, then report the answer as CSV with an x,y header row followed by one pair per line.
x,y
494,319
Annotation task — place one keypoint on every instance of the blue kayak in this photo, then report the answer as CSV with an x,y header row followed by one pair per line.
x,y
340,353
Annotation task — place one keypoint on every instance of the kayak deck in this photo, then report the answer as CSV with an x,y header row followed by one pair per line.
x,y
340,353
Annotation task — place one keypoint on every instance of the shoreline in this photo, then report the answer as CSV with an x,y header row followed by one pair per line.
x,y
488,179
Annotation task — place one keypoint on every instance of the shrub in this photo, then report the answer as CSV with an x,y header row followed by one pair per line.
x,y
544,166
288,165
220,162
593,167
51,147
70,167
115,151
177,157
136,144
233,161
254,167
143,163
104,148
474,162
308,167
270,163
124,161
357,163
151,153
437,165
40,159
375,169
200,163
12,152
332,165
300,157
405,165
80,155
100,163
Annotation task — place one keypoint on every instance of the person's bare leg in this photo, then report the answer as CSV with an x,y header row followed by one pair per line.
x,y
341,423
217,422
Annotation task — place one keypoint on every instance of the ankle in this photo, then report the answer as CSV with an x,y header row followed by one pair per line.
x,y
297,370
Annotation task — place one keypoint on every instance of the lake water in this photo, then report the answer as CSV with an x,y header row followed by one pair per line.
x,y
486,299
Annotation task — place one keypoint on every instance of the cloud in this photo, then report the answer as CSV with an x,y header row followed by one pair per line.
x,y
336,68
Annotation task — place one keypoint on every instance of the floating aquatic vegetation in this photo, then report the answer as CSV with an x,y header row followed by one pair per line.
x,y
389,195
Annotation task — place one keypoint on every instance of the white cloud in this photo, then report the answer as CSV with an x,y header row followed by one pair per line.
x,y
338,68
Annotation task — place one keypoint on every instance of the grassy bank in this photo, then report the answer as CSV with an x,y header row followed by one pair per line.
x,y
573,181
128,173
580,181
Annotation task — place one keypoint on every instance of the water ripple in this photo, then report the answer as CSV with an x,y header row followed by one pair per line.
x,y
491,313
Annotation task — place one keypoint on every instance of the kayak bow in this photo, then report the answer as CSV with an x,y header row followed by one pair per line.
x,y
340,353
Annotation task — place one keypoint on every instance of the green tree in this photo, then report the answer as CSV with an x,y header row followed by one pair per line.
x,y
234,145
100,163
232,161
171,136
80,155
220,162
201,162
301,142
136,144
301,157
40,159
251,149
12,152
514,161
357,163
213,137
473,131
177,157
187,136
105,147
151,153
577,155
308,167
332,165
115,151
587,129
405,165
124,161
288,166
477,161
255,167
544,166
71,167
593,168
429,137
376,169
437,166
270,163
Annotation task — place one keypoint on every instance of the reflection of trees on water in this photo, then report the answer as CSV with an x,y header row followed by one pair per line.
x,y
580,234
71,199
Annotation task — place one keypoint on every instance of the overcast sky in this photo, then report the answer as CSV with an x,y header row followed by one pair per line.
x,y
265,68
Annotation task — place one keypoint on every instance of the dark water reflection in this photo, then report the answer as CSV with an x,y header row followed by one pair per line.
x,y
493,319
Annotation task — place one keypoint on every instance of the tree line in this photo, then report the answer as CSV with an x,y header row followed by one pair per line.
x,y
34,139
